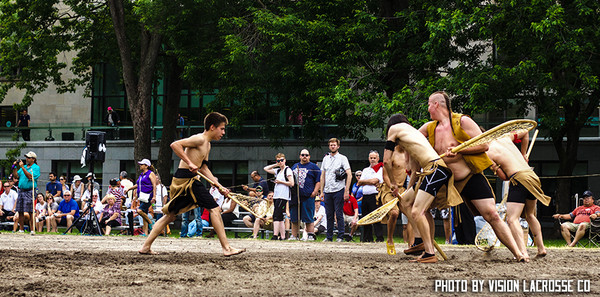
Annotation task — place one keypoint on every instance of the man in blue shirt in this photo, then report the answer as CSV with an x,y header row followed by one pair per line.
x,y
53,187
28,174
258,181
309,183
68,211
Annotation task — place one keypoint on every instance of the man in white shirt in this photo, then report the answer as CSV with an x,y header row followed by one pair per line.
x,y
335,188
371,177
7,203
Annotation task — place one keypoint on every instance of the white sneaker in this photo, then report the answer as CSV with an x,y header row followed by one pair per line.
x,y
21,231
310,238
339,240
293,238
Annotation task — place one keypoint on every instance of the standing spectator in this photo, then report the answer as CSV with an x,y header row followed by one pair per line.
x,y
357,191
8,201
68,212
77,189
179,131
112,118
371,177
162,197
28,175
53,187
335,187
284,179
258,182
49,211
24,121
320,217
111,214
309,183
146,191
40,217
126,184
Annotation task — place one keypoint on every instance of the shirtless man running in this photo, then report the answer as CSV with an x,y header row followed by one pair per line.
x,y
525,189
193,152
422,196
448,130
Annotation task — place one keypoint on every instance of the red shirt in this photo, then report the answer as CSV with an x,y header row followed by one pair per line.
x,y
582,213
350,206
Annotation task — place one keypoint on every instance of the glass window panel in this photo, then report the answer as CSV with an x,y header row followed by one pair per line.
x,y
98,80
113,82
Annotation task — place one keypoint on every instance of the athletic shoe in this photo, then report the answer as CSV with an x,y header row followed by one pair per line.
x,y
274,237
339,240
327,240
21,232
310,238
293,238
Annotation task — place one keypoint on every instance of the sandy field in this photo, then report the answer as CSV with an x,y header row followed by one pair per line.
x,y
61,265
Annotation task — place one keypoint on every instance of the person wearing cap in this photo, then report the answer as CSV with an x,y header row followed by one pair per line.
x,y
146,191
112,117
187,191
28,174
581,219
77,189
320,217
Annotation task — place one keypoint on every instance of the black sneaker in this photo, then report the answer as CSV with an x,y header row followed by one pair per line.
x,y
347,237
274,237
379,239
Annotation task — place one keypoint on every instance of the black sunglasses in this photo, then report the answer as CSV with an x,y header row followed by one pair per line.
x,y
280,160
304,155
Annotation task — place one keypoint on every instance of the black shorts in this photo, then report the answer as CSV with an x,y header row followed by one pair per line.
x,y
433,182
279,209
477,188
518,194
203,197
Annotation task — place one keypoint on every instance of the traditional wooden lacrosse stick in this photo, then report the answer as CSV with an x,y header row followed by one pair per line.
x,y
246,202
486,237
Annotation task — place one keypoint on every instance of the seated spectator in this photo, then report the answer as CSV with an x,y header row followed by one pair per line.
x,y
7,203
97,208
50,209
266,221
77,189
116,191
53,187
40,217
111,214
350,216
250,219
320,217
63,184
581,219
229,211
68,211
258,181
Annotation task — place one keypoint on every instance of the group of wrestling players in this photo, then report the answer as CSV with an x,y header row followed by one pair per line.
x,y
457,177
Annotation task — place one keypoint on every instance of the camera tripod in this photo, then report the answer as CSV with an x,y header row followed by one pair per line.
x,y
91,226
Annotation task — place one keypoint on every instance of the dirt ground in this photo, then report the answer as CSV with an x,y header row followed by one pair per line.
x,y
57,265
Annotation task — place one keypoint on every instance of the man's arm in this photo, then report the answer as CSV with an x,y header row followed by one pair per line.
x,y
348,183
322,182
562,216
472,129
370,181
179,150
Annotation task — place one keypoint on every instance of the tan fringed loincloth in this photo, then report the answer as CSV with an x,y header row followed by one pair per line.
x,y
181,188
384,196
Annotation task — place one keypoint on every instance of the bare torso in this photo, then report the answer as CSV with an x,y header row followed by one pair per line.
x,y
399,165
198,152
413,142
444,138
504,153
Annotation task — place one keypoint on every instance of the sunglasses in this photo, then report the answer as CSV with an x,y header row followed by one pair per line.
x,y
374,151
67,195
280,160
6,186
29,157
304,155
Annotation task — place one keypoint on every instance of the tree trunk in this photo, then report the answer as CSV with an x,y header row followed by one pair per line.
x,y
138,89
170,111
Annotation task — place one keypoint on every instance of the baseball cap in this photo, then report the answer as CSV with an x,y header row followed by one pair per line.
x,y
145,162
109,108
588,194
31,155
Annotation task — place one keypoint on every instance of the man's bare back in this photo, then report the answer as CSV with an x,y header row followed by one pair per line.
x,y
504,153
413,142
